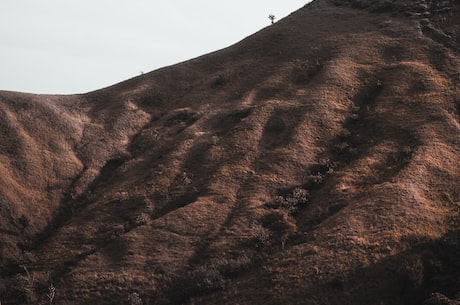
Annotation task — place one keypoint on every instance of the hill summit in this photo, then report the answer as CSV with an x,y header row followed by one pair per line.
x,y
314,162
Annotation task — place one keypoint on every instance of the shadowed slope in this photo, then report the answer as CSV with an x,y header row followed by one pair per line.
x,y
313,162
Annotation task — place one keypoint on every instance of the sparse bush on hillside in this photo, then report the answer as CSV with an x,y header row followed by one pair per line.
x,y
316,179
141,219
51,293
260,235
440,299
135,299
118,230
320,172
213,276
293,201
208,278
199,280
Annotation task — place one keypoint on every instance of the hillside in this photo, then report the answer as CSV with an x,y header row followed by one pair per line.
x,y
314,162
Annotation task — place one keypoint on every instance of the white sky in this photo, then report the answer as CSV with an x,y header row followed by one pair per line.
x,y
75,46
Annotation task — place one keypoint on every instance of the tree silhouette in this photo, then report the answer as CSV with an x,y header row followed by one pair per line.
x,y
272,18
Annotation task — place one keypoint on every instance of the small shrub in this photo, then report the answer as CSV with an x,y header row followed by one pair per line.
x,y
118,230
208,278
341,148
293,201
260,235
141,219
317,178
134,299
440,299
186,179
51,293
202,279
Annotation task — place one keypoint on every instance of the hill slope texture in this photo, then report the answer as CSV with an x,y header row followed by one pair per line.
x,y
315,162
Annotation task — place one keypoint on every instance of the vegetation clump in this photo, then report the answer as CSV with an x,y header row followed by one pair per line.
x,y
293,201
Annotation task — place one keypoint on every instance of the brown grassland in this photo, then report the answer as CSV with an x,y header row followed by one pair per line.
x,y
314,162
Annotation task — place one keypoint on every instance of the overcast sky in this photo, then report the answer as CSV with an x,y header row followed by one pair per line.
x,y
76,46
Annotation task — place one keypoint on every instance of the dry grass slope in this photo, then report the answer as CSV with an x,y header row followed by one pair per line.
x,y
315,162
